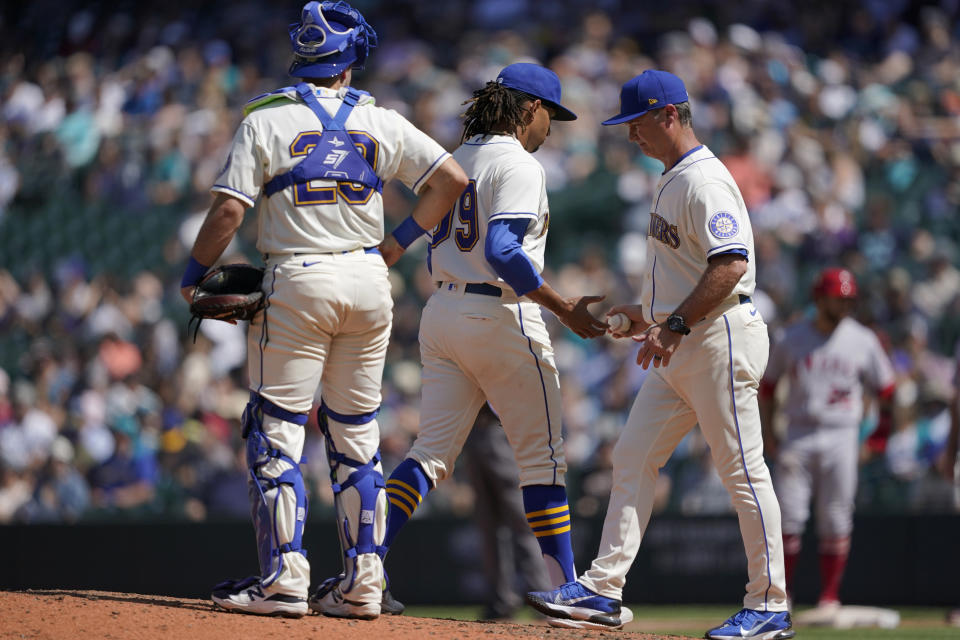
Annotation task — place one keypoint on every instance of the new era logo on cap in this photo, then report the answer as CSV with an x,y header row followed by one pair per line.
x,y
652,89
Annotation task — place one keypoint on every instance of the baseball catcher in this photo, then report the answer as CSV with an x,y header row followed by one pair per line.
x,y
312,159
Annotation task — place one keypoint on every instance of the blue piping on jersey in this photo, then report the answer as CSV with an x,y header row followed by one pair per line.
x,y
729,244
226,188
727,252
653,293
743,460
429,169
543,386
664,187
680,159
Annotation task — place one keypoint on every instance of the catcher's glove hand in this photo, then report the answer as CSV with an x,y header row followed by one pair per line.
x,y
230,292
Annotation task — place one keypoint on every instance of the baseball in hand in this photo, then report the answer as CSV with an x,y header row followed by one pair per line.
x,y
619,323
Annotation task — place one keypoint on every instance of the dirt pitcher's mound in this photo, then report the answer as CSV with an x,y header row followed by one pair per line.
x,y
80,615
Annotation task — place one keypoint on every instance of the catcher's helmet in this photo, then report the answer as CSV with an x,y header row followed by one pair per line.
x,y
330,37
835,283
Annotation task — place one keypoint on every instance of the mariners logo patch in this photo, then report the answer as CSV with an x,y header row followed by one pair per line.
x,y
723,225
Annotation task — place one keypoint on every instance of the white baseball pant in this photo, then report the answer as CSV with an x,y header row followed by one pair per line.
x,y
712,379
328,319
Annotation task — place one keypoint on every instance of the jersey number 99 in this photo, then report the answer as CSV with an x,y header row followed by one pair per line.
x,y
466,236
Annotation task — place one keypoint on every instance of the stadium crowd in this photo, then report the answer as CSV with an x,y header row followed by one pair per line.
x,y
841,126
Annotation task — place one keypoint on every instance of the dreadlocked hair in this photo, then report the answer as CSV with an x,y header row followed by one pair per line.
x,y
494,109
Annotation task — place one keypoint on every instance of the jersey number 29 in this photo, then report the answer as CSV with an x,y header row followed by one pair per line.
x,y
467,235
304,194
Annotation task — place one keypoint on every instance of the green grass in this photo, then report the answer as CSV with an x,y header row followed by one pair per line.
x,y
916,623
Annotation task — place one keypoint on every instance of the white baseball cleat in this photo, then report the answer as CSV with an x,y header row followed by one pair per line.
x,y
329,601
246,596
626,615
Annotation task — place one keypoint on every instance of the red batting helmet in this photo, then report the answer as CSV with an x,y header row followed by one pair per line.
x,y
835,283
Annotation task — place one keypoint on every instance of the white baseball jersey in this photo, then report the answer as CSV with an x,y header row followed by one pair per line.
x,y
698,212
827,373
322,215
711,381
506,182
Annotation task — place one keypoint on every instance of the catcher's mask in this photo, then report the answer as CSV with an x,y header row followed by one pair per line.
x,y
330,37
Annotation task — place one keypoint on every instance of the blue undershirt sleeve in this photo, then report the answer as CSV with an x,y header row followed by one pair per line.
x,y
504,252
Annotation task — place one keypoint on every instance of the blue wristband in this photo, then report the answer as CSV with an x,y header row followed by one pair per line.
x,y
193,274
407,232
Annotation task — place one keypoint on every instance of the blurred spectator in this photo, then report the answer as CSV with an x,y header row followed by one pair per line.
x,y
61,494
126,480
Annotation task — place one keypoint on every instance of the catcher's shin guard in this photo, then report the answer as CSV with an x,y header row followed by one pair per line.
x,y
361,504
278,498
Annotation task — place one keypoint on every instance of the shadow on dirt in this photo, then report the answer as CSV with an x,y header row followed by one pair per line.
x,y
155,601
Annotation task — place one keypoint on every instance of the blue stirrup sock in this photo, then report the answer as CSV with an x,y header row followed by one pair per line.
x,y
407,486
548,515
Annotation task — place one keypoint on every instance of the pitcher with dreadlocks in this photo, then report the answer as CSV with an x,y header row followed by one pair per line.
x,y
482,337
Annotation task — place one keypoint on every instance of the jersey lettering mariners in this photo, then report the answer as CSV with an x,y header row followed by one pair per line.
x,y
827,373
322,215
505,182
697,213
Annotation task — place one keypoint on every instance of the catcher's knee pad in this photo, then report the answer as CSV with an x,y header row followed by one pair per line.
x,y
278,497
360,499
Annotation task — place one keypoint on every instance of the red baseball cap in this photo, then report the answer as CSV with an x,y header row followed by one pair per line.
x,y
835,283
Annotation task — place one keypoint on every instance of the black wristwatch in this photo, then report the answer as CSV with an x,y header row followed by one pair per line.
x,y
677,324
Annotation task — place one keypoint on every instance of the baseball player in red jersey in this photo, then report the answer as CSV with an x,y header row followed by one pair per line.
x,y
315,156
708,346
829,360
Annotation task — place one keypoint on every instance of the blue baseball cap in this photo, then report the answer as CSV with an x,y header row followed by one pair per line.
x,y
650,90
537,81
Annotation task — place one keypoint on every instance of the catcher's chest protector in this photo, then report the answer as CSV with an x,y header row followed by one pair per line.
x,y
334,157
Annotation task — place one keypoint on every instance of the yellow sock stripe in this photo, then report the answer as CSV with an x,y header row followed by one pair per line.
x,y
404,485
391,492
552,532
401,506
548,512
540,523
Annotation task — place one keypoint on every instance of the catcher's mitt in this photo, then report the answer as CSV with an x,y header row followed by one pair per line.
x,y
229,292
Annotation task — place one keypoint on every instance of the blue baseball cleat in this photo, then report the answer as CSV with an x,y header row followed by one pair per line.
x,y
573,606
749,623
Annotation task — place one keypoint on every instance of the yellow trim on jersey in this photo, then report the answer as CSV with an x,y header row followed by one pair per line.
x,y
547,512
401,506
564,518
401,483
552,532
